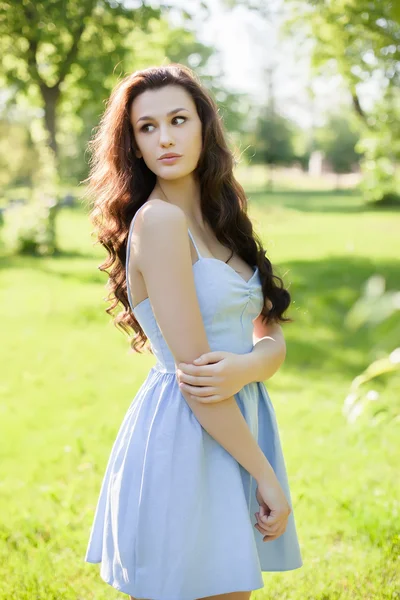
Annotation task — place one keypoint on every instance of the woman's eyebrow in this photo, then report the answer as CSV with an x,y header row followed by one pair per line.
x,y
171,112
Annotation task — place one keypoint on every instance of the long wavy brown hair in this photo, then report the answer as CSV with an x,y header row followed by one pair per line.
x,y
119,183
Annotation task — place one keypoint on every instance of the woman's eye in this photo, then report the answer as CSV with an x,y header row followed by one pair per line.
x,y
150,125
144,127
184,118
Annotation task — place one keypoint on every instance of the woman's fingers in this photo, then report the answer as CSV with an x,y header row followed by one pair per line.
x,y
204,379
280,531
265,528
270,537
270,522
201,391
271,530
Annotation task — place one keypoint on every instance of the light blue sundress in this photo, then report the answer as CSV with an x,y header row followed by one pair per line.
x,y
175,514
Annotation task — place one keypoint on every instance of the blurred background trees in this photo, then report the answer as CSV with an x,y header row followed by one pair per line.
x,y
360,41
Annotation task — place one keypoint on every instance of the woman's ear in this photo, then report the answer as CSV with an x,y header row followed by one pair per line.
x,y
138,154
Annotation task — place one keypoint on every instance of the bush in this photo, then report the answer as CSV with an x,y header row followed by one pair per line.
x,y
30,228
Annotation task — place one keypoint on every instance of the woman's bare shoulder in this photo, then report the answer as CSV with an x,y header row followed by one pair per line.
x,y
156,217
156,209
162,229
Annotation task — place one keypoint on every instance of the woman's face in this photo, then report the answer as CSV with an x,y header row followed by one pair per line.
x,y
157,132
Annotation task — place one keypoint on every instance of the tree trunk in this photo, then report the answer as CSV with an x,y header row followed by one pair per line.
x,y
269,177
50,97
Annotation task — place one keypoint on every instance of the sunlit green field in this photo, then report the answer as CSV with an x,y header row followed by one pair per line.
x,y
69,376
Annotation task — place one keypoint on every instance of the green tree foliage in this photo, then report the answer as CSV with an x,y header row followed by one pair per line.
x,y
360,40
380,144
275,140
18,159
338,139
272,141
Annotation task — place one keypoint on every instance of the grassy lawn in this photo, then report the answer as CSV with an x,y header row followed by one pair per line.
x,y
69,377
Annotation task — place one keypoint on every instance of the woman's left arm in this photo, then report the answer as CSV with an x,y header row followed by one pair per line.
x,y
268,353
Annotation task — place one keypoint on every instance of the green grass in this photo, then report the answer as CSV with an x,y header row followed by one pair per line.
x,y
69,377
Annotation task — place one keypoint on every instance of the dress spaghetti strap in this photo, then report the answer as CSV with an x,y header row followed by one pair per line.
x,y
194,243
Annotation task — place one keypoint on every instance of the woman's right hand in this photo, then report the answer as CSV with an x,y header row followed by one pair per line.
x,y
274,510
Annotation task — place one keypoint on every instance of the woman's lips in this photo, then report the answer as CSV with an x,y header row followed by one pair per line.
x,y
169,160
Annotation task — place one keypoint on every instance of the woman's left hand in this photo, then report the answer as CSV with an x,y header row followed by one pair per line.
x,y
213,377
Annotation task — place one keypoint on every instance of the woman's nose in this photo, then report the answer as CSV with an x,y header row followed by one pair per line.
x,y
165,136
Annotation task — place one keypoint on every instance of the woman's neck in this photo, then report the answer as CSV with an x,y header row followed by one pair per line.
x,y
182,193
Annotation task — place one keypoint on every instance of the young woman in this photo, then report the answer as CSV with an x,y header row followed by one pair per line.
x,y
195,501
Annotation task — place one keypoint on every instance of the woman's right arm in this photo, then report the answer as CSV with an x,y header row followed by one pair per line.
x,y
160,243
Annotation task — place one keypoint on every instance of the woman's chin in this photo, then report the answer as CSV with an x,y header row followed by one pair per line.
x,y
170,173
